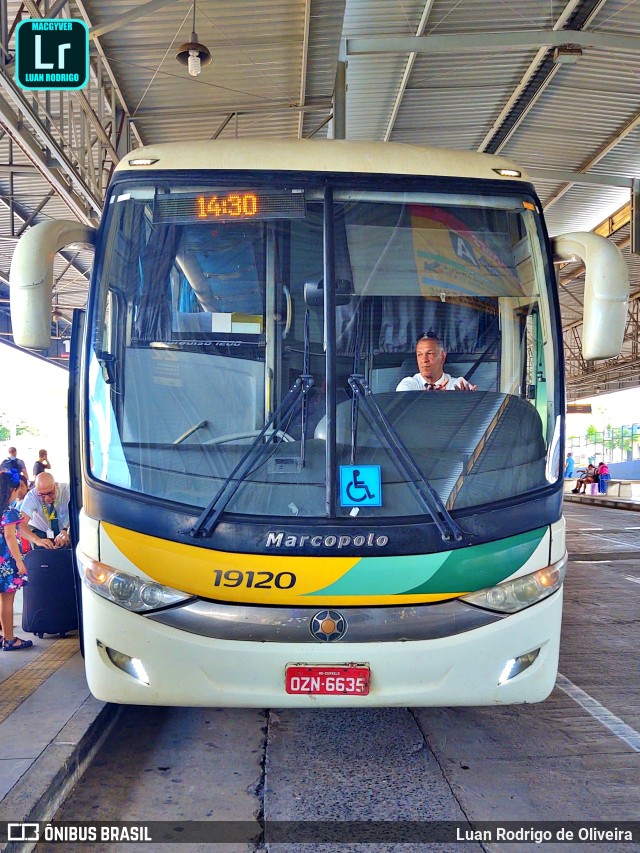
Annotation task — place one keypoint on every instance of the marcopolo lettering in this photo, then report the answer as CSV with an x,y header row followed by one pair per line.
x,y
279,539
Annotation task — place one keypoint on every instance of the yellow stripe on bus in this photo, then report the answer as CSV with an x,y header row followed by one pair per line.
x,y
264,578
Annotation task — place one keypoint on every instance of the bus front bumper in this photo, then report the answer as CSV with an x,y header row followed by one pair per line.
x,y
175,667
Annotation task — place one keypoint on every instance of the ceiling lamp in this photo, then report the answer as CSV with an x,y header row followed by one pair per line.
x,y
193,54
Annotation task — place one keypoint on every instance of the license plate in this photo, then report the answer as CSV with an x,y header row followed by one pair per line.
x,y
337,680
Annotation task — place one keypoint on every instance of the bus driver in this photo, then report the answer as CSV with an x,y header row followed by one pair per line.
x,y
431,355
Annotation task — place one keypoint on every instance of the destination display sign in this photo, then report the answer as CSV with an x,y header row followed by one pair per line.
x,y
227,205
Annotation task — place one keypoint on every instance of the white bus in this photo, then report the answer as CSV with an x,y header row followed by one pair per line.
x,y
264,520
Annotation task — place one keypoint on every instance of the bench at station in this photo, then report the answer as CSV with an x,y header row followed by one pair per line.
x,y
615,488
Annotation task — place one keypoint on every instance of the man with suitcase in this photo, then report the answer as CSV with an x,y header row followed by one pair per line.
x,y
49,604
46,511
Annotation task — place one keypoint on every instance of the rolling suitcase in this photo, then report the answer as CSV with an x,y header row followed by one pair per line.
x,y
49,599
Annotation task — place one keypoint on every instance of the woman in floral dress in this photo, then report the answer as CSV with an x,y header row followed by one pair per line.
x,y
13,574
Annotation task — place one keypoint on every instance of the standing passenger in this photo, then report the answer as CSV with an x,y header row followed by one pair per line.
x,y
13,572
568,467
41,464
12,463
603,477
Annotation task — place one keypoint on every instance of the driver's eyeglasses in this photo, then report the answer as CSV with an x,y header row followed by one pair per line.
x,y
49,494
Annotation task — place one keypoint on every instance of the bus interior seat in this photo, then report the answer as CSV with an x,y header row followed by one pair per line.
x,y
387,378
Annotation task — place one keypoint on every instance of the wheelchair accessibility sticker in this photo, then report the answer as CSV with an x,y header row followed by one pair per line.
x,y
360,486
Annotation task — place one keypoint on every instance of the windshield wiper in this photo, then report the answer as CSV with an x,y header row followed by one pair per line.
x,y
354,399
208,520
426,495
305,376
185,435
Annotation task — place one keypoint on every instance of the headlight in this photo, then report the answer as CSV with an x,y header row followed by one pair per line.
x,y
130,592
516,594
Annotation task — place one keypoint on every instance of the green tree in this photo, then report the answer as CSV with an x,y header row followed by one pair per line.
x,y
593,435
5,432
21,429
25,429
620,439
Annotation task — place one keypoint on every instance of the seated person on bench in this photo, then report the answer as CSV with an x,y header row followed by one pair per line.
x,y
431,355
588,477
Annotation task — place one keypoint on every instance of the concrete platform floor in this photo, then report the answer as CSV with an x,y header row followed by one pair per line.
x,y
51,726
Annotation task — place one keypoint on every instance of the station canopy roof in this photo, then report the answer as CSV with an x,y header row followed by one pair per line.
x,y
553,86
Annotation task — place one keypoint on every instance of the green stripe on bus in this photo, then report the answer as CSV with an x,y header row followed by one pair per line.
x,y
462,570
480,566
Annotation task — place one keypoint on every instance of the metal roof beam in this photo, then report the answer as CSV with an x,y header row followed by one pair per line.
x,y
426,11
129,17
79,96
10,169
313,105
609,146
464,42
57,178
533,82
303,64
27,222
576,15
107,67
55,10
579,178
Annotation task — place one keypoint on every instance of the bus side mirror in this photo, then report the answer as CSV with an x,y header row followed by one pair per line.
x,y
31,278
606,291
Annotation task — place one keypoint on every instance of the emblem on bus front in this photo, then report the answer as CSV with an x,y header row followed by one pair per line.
x,y
327,626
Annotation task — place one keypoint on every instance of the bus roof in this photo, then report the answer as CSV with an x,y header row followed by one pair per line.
x,y
319,155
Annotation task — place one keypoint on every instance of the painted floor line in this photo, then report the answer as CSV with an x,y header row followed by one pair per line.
x,y
613,557
609,539
619,728
635,580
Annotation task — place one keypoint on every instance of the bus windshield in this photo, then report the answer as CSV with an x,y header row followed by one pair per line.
x,y
209,307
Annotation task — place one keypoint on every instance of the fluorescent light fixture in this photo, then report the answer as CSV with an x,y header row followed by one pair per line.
x,y
567,54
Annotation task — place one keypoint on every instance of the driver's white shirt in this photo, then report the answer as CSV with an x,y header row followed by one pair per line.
x,y
418,382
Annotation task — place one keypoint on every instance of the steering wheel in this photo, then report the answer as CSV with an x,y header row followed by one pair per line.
x,y
251,434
